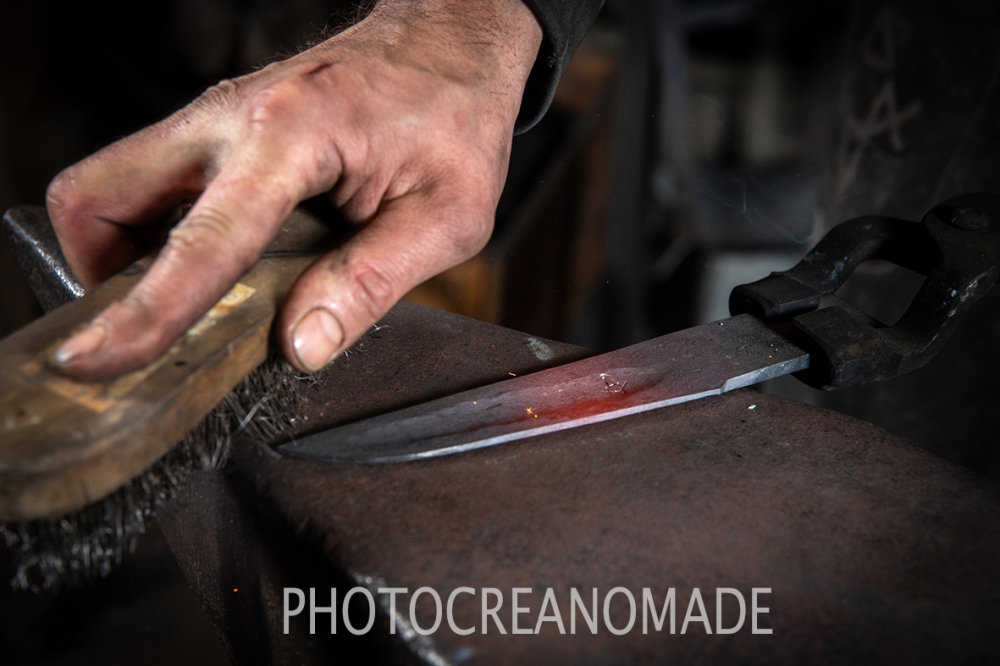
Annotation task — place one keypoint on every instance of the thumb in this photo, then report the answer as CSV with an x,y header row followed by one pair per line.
x,y
347,291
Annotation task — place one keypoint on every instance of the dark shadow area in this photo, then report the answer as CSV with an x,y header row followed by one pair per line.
x,y
143,612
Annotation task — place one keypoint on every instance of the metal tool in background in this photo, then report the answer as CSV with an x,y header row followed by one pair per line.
x,y
789,322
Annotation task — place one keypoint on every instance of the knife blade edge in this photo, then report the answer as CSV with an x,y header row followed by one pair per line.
x,y
702,361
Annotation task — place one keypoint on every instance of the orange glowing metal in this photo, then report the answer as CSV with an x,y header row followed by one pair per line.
x,y
687,365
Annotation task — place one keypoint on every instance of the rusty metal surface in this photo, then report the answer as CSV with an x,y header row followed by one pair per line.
x,y
874,549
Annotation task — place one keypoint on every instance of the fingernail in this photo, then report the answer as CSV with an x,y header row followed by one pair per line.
x,y
85,342
316,338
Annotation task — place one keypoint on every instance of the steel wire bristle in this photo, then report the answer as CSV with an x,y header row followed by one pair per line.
x,y
48,553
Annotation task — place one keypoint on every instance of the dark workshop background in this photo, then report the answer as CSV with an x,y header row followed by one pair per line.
x,y
692,146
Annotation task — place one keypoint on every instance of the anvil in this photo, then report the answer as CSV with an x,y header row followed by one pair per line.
x,y
868,546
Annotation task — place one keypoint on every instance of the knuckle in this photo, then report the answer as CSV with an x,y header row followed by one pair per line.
x,y
209,226
471,234
210,231
226,94
158,321
374,290
275,102
63,197
470,224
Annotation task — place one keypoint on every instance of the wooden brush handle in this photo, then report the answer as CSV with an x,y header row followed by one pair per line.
x,y
65,444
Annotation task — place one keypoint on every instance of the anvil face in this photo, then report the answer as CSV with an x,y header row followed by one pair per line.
x,y
740,491
844,526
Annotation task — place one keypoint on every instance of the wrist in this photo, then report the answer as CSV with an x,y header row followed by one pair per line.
x,y
487,42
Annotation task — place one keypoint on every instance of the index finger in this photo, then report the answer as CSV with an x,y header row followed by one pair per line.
x,y
97,204
221,237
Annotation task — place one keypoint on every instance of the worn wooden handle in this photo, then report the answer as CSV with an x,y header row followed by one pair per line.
x,y
66,444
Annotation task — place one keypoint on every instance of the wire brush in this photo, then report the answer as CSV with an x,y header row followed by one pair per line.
x,y
64,445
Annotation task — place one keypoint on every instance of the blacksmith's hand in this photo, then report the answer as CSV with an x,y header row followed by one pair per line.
x,y
406,119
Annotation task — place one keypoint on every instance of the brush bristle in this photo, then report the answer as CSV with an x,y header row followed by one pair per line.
x,y
49,553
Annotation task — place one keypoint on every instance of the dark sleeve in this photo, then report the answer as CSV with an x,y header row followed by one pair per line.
x,y
565,22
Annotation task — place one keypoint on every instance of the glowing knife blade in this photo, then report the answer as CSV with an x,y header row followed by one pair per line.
x,y
687,365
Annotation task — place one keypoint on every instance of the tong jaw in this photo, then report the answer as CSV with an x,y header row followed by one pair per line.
x,y
956,246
